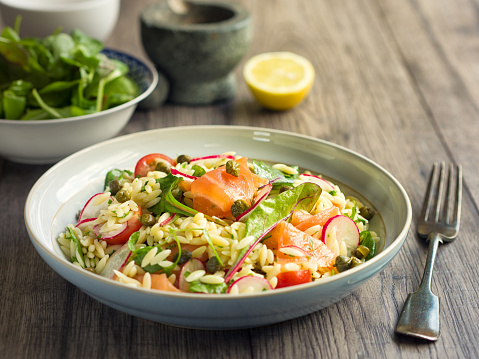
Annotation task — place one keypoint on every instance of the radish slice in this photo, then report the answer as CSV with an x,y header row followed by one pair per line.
x,y
325,185
168,220
117,260
346,231
250,284
110,234
84,224
92,209
262,195
211,157
189,267
175,172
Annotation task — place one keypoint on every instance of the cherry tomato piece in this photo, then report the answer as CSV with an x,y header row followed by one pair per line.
x,y
133,225
287,279
149,162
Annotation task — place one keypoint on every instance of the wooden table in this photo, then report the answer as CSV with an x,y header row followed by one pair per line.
x,y
396,81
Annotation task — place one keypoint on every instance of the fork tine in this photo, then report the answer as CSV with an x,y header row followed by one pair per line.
x,y
458,197
429,194
439,203
449,201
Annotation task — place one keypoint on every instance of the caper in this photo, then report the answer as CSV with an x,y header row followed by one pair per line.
x,y
115,186
361,252
213,265
355,262
284,189
185,257
147,219
162,167
122,196
342,263
233,168
366,212
183,159
239,206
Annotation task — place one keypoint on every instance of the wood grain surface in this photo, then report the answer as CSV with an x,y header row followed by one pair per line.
x,y
396,81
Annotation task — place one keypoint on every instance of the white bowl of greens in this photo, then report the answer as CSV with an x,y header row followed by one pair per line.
x,y
63,93
41,18
58,195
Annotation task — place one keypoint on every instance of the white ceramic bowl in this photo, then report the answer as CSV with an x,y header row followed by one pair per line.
x,y
47,141
55,199
41,18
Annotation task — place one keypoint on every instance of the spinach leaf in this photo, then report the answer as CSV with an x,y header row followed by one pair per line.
x,y
138,254
272,210
167,183
366,239
116,174
199,287
169,202
67,74
277,177
199,171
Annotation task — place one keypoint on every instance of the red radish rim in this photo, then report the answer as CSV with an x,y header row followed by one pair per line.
x,y
168,220
211,157
331,187
196,264
80,217
110,234
323,233
175,172
263,194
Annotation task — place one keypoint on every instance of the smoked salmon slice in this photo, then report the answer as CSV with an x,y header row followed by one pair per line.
x,y
159,282
215,191
303,220
285,235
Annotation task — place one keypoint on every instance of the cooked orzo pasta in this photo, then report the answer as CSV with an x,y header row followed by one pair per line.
x,y
218,224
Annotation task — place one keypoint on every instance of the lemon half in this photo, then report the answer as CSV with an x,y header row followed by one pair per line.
x,y
279,80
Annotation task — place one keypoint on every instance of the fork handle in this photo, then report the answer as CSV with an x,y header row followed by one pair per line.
x,y
434,239
420,315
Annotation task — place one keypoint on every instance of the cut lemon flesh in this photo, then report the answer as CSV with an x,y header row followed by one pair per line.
x,y
279,80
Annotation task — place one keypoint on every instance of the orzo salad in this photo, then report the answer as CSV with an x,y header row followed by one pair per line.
x,y
218,224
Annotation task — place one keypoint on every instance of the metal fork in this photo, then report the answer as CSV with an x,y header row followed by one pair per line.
x,y
439,222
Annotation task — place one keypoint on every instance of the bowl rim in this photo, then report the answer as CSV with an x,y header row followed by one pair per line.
x,y
344,276
56,7
241,18
154,82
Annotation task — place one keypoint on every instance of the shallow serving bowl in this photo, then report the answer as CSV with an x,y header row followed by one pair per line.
x,y
55,199
47,141
41,18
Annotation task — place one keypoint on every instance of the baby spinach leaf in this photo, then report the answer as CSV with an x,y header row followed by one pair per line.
x,y
68,73
272,210
199,287
277,177
366,239
116,174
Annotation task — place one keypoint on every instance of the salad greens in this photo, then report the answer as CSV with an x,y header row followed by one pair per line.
x,y
273,210
367,240
62,75
278,178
